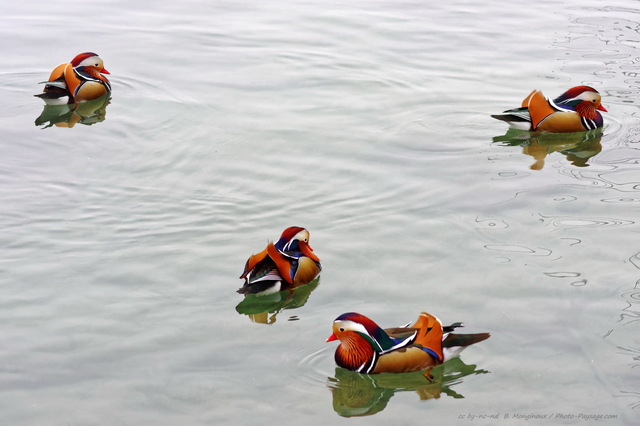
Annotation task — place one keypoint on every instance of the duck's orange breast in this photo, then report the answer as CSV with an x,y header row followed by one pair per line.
x,y
84,88
306,272
89,90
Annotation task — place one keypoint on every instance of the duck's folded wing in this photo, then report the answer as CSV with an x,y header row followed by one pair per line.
x,y
253,261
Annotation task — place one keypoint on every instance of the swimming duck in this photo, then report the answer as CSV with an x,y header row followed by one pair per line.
x,y
288,263
80,80
367,348
576,110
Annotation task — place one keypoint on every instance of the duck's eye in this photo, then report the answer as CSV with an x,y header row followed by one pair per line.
x,y
341,329
594,101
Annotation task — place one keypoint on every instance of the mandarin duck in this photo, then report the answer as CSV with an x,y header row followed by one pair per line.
x,y
80,80
288,263
367,348
576,110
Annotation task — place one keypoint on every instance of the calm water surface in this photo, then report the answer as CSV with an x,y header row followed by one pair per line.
x,y
368,124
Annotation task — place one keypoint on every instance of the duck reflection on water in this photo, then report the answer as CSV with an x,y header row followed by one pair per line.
x,y
356,394
68,115
577,147
263,309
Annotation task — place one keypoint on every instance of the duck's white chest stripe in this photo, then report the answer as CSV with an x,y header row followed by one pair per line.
x,y
367,367
588,123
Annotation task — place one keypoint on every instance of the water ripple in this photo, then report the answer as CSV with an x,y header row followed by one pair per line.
x,y
632,297
562,274
609,43
575,241
564,198
491,223
620,200
512,175
572,222
520,249
313,365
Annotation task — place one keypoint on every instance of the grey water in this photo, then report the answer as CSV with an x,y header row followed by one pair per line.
x,y
123,234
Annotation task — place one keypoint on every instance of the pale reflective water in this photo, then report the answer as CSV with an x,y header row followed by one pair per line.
x,y
368,124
